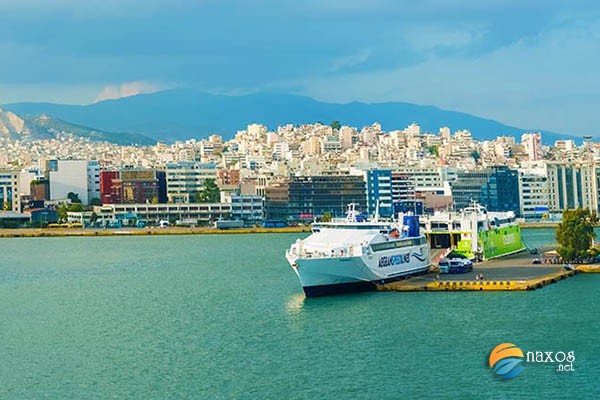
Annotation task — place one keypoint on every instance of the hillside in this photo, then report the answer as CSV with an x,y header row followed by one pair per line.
x,y
45,127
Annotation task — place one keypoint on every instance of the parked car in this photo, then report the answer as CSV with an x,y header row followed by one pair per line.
x,y
455,265
536,261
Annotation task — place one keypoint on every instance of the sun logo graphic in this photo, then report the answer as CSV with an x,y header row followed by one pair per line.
x,y
505,360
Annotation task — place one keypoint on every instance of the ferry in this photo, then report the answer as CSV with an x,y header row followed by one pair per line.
x,y
353,254
474,232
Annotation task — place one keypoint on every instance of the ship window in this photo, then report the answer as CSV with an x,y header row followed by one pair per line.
x,y
391,245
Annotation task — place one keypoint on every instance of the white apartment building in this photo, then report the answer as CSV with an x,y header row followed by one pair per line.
x,y
9,190
572,185
186,178
81,177
534,193
532,143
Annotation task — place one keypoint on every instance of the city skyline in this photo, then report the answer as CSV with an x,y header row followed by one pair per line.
x,y
531,64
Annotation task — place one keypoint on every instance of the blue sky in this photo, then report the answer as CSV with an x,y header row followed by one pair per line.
x,y
531,64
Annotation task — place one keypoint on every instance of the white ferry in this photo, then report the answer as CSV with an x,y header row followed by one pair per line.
x,y
350,255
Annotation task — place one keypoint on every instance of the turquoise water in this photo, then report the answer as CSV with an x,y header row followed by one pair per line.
x,y
223,317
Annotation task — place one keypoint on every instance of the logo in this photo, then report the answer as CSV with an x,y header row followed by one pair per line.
x,y
388,261
505,360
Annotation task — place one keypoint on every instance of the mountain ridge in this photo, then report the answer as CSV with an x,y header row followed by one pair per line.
x,y
178,114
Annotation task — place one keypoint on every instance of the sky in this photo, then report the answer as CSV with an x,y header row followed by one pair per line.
x,y
532,64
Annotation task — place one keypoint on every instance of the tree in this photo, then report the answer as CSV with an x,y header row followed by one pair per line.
x,y
6,206
575,233
210,194
475,155
64,209
434,150
326,217
95,202
336,125
74,197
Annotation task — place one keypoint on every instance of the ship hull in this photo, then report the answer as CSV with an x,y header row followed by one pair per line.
x,y
334,275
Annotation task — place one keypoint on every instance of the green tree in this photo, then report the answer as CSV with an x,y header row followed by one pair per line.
x,y
434,150
336,125
575,233
74,197
95,202
475,155
210,194
326,217
6,206
64,209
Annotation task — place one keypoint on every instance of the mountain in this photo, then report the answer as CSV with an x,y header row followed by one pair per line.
x,y
11,124
184,113
45,127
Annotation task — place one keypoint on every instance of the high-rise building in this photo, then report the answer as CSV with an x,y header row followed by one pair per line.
x,y
379,192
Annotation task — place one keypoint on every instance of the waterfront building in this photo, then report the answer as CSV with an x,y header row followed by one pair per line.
x,y
186,179
533,191
196,213
81,177
501,191
133,186
309,197
248,208
9,191
572,185
467,187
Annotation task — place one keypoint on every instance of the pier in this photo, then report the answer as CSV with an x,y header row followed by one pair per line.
x,y
512,273
92,232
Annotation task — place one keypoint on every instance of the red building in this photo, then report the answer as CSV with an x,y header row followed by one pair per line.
x,y
110,187
132,187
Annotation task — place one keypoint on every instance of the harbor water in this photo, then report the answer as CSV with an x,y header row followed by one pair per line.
x,y
224,317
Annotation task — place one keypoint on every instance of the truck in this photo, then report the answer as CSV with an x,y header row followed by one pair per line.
x,y
274,224
229,224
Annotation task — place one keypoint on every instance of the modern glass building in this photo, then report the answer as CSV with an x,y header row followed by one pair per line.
x,y
309,197
501,191
379,190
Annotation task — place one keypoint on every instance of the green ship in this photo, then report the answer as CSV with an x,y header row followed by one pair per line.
x,y
474,233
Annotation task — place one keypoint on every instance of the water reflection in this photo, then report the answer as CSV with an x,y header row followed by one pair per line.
x,y
295,304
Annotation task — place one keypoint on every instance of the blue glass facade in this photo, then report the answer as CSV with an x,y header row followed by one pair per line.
x,y
379,190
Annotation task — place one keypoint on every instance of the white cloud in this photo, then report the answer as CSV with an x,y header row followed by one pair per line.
x,y
126,89
350,61
549,81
